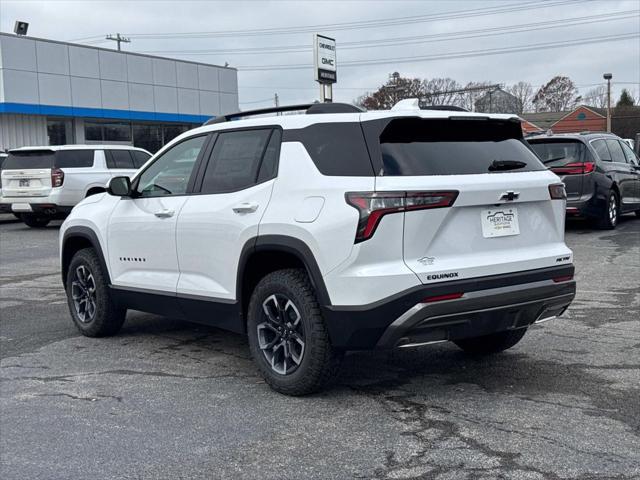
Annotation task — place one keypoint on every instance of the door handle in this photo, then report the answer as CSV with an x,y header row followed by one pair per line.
x,y
246,207
164,213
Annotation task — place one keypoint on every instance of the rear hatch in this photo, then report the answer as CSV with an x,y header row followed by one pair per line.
x,y
478,200
27,173
567,158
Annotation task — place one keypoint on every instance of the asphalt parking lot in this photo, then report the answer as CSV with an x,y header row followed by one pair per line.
x,y
166,399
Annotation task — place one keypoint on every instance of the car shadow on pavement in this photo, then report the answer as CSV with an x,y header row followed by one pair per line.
x,y
431,373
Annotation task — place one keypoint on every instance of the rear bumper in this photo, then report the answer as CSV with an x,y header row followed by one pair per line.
x,y
43,209
488,305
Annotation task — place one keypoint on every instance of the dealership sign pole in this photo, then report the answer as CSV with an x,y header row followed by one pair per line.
x,y
325,65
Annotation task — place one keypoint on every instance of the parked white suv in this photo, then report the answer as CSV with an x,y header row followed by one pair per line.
x,y
329,231
43,183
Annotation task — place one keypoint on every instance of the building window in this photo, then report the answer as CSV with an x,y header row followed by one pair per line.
x,y
107,132
172,131
148,137
59,131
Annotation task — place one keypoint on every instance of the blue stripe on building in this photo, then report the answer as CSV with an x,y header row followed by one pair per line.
x,y
59,111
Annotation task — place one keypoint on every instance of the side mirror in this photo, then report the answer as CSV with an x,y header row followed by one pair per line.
x,y
119,187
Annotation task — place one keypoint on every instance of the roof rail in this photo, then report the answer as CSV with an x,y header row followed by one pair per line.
x,y
309,108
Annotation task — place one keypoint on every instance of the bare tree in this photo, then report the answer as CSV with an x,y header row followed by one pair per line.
x,y
523,91
396,89
558,95
440,91
596,97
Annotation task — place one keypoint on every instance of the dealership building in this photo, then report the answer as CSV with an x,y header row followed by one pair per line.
x,y
54,93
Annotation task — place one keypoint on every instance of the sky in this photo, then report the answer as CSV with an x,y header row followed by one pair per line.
x,y
581,39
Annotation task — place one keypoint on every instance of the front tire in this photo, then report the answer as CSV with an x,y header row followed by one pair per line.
x,y
92,307
35,221
494,343
288,339
609,218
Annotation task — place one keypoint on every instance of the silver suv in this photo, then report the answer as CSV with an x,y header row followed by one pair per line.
x,y
43,183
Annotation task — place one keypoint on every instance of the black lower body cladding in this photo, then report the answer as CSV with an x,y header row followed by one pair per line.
x,y
489,304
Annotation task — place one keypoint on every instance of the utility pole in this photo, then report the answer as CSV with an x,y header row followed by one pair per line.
x,y
277,102
608,77
119,39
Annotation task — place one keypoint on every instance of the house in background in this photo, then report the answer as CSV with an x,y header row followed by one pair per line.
x,y
625,121
497,101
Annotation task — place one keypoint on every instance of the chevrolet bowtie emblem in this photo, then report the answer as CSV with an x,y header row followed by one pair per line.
x,y
510,196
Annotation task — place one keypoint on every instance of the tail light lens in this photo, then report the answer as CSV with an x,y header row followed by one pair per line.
x,y
557,191
372,206
564,278
57,177
440,298
577,168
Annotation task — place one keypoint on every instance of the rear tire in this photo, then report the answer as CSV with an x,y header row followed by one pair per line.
x,y
91,305
288,338
34,221
610,216
494,343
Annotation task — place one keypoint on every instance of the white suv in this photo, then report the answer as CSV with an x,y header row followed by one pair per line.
x,y
329,231
43,183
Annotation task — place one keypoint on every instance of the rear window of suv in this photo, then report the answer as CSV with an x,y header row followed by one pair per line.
x,y
555,153
414,146
29,159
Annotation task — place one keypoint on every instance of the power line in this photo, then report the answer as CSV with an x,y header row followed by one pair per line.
x,y
337,86
453,55
270,99
476,12
439,37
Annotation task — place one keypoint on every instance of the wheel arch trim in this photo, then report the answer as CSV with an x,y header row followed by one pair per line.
x,y
283,244
88,234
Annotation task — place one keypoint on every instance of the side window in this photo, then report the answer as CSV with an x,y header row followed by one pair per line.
x,y
139,158
169,174
337,149
617,155
631,157
74,158
601,150
269,166
120,159
235,161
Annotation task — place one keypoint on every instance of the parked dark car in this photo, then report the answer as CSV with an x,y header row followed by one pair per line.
x,y
601,174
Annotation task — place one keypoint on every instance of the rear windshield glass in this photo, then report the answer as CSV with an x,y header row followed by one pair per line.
x,y
49,159
558,154
412,146
29,159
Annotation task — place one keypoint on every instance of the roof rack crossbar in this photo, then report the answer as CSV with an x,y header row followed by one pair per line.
x,y
307,107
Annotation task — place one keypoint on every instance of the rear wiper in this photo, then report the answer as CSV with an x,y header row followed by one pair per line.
x,y
500,165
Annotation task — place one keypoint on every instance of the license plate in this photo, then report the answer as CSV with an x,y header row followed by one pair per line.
x,y
24,182
499,222
21,207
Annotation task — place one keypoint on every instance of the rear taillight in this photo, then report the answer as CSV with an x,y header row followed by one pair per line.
x,y
372,206
577,168
557,191
57,177
564,278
